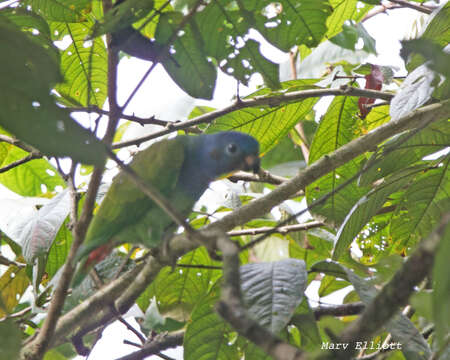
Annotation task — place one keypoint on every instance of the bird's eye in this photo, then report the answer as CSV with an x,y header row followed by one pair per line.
x,y
232,148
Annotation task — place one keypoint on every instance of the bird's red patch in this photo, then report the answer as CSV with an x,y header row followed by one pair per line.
x,y
98,255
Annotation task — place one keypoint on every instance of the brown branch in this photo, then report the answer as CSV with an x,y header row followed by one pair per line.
x,y
155,346
338,310
395,293
422,8
92,313
26,159
230,307
263,176
38,346
272,100
143,121
281,230
7,262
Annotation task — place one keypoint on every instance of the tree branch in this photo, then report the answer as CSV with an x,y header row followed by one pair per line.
x,y
155,346
38,346
90,314
26,159
395,293
282,229
422,8
143,121
263,176
272,100
338,310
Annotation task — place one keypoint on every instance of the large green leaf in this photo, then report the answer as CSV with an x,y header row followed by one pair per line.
x,y
421,207
13,284
289,22
207,335
397,153
336,128
272,291
345,10
84,66
437,30
28,110
61,10
10,339
34,178
367,207
350,36
192,71
221,30
59,250
268,124
306,323
177,292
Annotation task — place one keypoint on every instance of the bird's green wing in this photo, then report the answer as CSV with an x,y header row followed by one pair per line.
x,y
124,204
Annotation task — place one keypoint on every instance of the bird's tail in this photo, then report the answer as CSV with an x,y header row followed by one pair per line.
x,y
86,265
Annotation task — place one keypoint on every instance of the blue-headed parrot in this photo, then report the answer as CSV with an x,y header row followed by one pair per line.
x,y
181,169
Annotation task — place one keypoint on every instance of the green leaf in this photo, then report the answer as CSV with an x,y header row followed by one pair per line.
x,y
367,207
421,207
272,291
268,124
342,11
192,72
329,285
123,15
436,30
397,153
441,288
13,284
220,31
154,321
306,323
402,329
336,129
10,340
61,10
177,292
351,35
294,23
28,110
84,65
34,178
207,335
57,254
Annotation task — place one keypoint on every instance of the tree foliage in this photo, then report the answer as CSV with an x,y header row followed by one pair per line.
x,y
357,197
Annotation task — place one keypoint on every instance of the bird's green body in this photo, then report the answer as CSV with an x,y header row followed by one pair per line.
x,y
181,170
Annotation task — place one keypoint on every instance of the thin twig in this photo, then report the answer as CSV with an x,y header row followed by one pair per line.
x,y
281,229
156,346
199,266
263,176
29,157
271,100
143,121
132,329
422,8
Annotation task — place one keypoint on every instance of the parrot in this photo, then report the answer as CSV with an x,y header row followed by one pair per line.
x,y
181,169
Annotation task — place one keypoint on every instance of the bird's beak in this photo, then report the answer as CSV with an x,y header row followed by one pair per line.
x,y
251,163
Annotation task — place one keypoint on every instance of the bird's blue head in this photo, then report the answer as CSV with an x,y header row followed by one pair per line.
x,y
213,155
231,151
